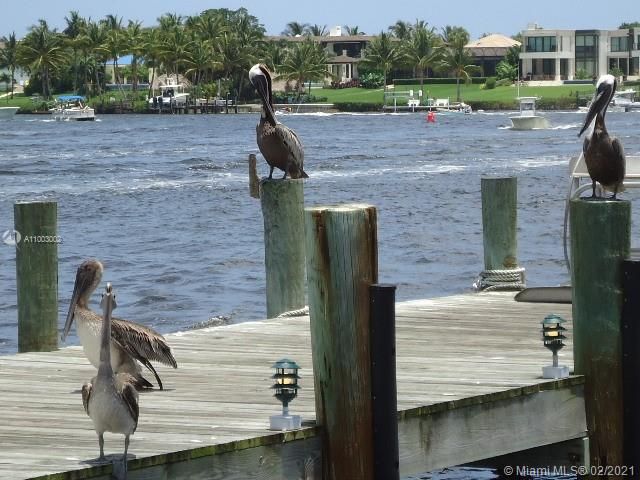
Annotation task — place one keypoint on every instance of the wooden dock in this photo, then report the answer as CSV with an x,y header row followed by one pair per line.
x,y
469,387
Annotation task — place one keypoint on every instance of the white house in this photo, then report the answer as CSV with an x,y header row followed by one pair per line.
x,y
556,55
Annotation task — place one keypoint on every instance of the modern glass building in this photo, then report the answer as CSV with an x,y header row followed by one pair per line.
x,y
556,55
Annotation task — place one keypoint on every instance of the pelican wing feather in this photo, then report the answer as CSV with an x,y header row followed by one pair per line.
x,y
290,139
142,342
125,385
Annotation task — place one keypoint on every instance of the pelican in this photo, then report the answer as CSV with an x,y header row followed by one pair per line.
x,y
129,341
279,145
603,154
111,401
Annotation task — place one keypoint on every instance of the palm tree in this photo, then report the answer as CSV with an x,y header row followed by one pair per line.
x,y
41,52
94,39
273,54
134,38
382,54
152,53
353,30
401,30
294,29
9,58
176,48
456,59
421,50
305,61
316,30
73,31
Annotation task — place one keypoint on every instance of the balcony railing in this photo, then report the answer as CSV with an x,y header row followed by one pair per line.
x,y
534,50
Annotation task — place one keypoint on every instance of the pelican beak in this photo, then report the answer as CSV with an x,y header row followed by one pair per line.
x,y
79,287
599,104
74,301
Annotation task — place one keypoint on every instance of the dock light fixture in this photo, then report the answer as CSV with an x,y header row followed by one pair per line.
x,y
286,389
552,336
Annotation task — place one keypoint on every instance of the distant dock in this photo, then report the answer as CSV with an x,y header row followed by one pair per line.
x,y
469,388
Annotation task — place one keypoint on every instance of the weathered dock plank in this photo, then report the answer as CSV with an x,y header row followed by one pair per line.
x,y
469,386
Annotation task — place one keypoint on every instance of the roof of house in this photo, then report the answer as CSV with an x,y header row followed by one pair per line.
x,y
495,40
494,45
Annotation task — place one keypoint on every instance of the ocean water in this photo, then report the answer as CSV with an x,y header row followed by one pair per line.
x,y
163,201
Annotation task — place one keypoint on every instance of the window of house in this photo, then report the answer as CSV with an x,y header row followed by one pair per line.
x,y
541,44
619,44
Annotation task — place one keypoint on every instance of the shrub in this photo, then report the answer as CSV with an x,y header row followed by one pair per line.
x,y
372,80
505,82
490,84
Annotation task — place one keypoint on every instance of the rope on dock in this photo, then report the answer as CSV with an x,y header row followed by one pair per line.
x,y
301,312
492,280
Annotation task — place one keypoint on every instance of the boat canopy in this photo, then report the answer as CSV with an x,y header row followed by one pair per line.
x,y
71,98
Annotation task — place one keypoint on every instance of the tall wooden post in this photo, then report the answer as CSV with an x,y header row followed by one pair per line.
x,y
499,222
383,382
342,262
282,209
37,275
600,239
630,330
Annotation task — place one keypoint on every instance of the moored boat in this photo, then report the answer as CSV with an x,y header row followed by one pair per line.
x,y
8,112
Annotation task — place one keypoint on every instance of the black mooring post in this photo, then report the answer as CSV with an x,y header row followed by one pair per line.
x,y
630,332
383,382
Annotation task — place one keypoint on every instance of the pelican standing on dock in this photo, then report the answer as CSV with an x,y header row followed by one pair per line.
x,y
129,341
279,145
603,155
111,401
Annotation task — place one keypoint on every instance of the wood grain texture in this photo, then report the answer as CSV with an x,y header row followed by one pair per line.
x,y
499,222
282,209
454,353
37,275
600,241
342,263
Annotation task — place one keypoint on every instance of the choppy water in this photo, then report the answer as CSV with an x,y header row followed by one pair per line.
x,y
163,201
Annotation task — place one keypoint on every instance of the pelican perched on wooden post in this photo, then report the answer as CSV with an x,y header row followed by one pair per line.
x,y
603,155
129,341
110,400
279,145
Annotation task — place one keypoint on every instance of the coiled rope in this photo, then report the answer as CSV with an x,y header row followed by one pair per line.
x,y
301,312
512,279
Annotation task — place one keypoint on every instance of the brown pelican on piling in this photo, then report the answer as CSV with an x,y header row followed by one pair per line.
x,y
110,400
279,145
603,155
129,341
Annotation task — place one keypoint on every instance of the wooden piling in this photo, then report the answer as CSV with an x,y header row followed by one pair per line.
x,y
630,330
383,382
600,240
282,210
254,180
37,275
499,222
342,262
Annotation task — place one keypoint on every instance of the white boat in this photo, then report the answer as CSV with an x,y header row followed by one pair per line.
x,y
624,100
527,119
72,107
171,95
8,112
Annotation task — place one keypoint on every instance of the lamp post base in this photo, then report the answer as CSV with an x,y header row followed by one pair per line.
x,y
561,371
284,422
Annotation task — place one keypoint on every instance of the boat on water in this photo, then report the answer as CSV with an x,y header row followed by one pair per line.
x,y
528,119
8,112
172,95
72,107
622,101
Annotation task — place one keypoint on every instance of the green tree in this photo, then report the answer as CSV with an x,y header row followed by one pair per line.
x,y
41,53
134,39
115,43
422,50
9,58
401,29
316,30
504,70
382,54
353,31
73,33
293,29
305,61
95,54
152,53
455,58
627,25
273,54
